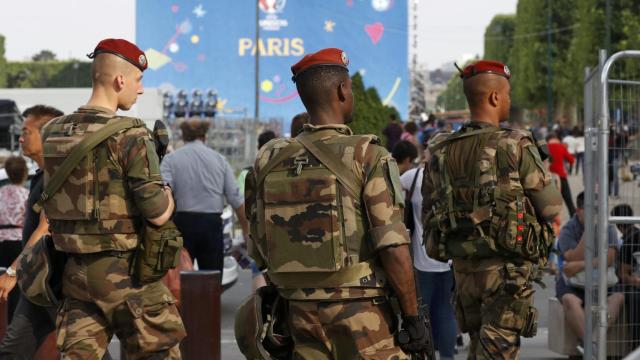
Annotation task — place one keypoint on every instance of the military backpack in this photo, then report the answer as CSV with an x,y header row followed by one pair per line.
x,y
479,206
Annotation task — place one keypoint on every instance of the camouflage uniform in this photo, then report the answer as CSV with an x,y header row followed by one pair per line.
x,y
494,293
328,268
94,218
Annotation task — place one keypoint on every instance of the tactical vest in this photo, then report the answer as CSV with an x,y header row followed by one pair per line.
x,y
314,227
479,206
93,210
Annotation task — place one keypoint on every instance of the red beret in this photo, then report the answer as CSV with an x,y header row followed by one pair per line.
x,y
123,49
324,57
485,66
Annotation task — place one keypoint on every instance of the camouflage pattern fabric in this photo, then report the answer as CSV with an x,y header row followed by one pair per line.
x,y
305,227
506,208
486,194
101,301
100,206
494,306
355,329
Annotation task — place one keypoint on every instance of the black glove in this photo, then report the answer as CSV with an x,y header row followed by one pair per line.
x,y
413,337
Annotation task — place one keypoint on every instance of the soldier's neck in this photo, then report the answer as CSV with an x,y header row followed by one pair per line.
x,y
100,98
325,117
484,117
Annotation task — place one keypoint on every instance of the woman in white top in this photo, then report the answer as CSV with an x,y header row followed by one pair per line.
x,y
578,134
435,277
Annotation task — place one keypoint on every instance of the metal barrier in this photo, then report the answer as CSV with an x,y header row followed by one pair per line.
x,y
234,138
612,122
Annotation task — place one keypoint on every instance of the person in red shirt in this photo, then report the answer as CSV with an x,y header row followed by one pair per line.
x,y
560,154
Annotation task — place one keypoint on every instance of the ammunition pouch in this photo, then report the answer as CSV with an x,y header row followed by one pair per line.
x,y
157,253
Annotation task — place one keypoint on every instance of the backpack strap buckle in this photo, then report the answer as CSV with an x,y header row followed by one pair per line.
x,y
300,161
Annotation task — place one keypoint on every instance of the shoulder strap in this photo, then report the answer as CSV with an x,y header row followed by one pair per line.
x,y
82,149
461,135
328,158
413,183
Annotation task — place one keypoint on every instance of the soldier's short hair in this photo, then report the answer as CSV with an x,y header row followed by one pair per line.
x,y
42,114
316,84
16,168
194,130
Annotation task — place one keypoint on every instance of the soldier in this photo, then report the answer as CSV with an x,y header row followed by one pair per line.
x,y
96,215
326,216
487,198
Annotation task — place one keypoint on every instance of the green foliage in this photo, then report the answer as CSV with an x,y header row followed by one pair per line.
x,y
3,64
370,116
453,97
498,38
54,74
44,55
529,56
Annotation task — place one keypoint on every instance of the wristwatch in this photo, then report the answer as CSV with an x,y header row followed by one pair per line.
x,y
11,272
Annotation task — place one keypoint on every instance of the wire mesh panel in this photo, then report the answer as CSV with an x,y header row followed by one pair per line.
x,y
234,138
612,199
623,170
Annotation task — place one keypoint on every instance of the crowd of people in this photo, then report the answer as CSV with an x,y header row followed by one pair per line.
x,y
197,182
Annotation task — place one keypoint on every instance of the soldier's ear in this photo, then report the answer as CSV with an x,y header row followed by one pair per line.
x,y
118,82
494,98
342,91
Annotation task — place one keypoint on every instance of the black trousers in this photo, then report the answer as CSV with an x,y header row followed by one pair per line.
x,y
30,327
202,233
9,251
565,190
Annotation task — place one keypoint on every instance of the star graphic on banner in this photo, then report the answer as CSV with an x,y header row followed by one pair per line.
x,y
329,25
199,11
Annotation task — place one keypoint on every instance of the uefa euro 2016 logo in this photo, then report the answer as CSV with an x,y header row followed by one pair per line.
x,y
272,6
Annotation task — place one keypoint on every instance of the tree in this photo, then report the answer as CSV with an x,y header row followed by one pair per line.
x,y
529,55
498,38
3,64
370,116
453,97
44,55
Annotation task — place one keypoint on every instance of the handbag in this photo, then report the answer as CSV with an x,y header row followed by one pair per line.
x,y
578,280
409,220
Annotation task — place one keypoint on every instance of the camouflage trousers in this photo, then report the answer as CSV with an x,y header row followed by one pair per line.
x,y
353,329
494,305
100,301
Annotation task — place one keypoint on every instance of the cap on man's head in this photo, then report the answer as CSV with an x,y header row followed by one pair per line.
x,y
485,67
324,57
123,49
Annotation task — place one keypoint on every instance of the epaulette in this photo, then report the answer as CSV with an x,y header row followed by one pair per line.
x,y
438,138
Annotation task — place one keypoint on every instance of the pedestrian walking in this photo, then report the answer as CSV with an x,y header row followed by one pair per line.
x,y
486,200
307,203
202,180
559,155
96,212
31,323
13,197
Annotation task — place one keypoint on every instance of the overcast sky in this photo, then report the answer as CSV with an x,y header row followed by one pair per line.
x,y
448,29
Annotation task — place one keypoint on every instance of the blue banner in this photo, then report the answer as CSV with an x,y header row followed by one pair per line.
x,y
211,45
